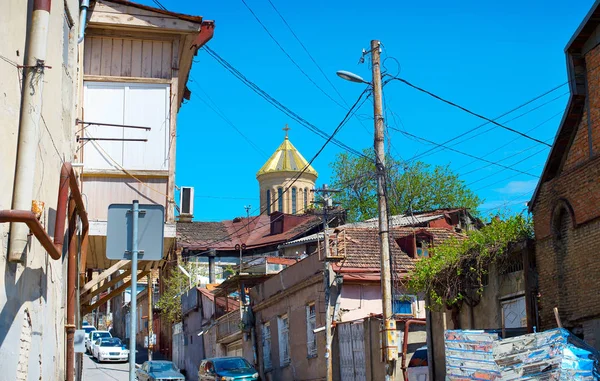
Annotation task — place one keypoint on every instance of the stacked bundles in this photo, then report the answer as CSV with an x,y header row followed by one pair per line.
x,y
551,355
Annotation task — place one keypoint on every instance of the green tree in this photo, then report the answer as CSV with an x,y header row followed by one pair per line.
x,y
175,284
416,186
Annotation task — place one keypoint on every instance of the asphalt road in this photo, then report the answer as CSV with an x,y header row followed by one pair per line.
x,y
106,371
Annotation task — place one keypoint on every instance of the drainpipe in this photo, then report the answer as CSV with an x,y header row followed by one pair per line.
x,y
31,108
85,4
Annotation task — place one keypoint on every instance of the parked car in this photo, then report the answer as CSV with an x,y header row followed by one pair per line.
x,y
226,368
158,371
111,349
87,328
417,369
93,336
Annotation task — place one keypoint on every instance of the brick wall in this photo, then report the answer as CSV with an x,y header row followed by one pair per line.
x,y
567,242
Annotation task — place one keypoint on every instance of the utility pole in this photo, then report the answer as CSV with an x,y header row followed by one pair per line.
x,y
326,202
389,328
150,292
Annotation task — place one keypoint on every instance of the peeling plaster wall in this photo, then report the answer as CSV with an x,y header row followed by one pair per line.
x,y
32,295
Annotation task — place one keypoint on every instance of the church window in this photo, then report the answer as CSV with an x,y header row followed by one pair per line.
x,y
305,199
280,199
268,201
294,200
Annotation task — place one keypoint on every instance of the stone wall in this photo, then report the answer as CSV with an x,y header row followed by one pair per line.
x,y
33,294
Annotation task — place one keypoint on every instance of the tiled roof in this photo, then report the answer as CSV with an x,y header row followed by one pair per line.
x,y
362,249
253,232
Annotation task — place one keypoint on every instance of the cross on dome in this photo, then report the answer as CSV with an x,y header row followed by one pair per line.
x,y
286,129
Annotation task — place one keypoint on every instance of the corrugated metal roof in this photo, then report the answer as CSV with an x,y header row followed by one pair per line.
x,y
395,221
286,159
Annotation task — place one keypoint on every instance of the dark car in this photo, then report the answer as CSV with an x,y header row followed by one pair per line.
x,y
158,370
226,369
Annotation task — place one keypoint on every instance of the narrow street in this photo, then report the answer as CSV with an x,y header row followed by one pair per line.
x,y
106,371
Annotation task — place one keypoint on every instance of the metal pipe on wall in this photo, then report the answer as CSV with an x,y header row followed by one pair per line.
x,y
407,325
31,111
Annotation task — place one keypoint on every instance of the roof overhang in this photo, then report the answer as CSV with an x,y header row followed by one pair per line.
x,y
233,283
576,73
122,17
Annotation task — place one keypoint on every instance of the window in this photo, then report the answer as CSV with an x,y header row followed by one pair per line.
x,y
403,304
280,199
311,336
294,190
284,342
266,345
120,104
423,244
305,199
268,201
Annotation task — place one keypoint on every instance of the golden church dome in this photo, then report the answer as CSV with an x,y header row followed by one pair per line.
x,y
286,159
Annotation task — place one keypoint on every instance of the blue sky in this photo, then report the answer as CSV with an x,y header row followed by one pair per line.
x,y
487,56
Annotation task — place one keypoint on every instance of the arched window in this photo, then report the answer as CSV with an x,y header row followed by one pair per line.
x,y
280,199
305,199
294,200
268,201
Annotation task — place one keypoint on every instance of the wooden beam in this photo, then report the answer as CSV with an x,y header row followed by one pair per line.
x,y
103,275
131,17
86,309
108,78
86,297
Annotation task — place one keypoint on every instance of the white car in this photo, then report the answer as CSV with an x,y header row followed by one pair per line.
x,y
88,329
93,337
111,349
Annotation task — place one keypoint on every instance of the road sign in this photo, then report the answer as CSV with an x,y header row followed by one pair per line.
x,y
119,232
134,232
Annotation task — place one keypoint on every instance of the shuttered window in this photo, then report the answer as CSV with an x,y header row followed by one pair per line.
x,y
284,342
311,336
266,346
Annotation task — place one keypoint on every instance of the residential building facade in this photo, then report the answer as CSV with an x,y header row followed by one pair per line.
x,y
39,89
566,204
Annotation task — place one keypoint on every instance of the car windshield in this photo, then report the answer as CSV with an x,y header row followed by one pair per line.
x,y
162,367
100,335
114,342
231,364
88,329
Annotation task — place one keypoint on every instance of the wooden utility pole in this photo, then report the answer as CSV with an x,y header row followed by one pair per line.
x,y
327,203
389,329
150,292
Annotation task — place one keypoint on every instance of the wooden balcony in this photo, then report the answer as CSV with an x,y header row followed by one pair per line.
x,y
229,327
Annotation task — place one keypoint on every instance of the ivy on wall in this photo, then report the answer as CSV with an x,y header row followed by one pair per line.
x,y
455,270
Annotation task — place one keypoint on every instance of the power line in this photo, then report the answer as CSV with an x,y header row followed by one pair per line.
x,y
469,111
462,153
429,152
290,57
513,140
254,87
307,51
221,115
496,173
276,199
160,5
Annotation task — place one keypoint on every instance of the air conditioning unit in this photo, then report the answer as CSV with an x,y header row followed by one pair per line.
x,y
186,201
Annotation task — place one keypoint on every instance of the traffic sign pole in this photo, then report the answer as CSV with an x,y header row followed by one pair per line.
x,y
133,310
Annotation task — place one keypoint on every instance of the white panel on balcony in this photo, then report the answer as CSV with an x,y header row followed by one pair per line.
x,y
133,104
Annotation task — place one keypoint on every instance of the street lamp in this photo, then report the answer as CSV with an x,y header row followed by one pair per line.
x,y
389,328
348,76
